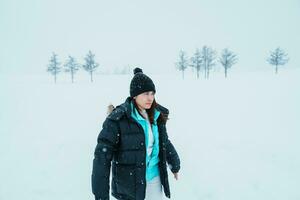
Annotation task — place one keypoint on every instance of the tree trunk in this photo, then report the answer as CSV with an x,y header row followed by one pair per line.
x,y
182,74
225,72
72,74
207,73
276,69
91,76
197,73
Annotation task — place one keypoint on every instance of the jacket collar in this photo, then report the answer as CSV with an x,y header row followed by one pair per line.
x,y
127,108
139,117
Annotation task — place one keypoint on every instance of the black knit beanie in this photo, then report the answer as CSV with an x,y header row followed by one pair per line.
x,y
140,83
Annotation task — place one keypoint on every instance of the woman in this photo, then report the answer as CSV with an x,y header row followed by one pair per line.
x,y
134,139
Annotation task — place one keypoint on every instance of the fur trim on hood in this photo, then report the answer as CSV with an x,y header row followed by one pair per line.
x,y
110,108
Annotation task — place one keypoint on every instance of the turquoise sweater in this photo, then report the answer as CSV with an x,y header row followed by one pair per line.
x,y
152,169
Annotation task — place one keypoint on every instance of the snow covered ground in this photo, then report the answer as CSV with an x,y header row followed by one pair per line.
x,y
238,139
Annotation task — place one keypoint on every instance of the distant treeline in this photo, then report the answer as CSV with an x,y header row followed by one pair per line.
x,y
203,60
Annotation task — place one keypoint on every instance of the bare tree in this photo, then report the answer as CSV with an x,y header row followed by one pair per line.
x,y
227,59
54,66
182,64
196,61
278,57
90,65
208,57
71,66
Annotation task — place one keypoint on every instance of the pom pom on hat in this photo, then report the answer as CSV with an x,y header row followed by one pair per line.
x,y
137,70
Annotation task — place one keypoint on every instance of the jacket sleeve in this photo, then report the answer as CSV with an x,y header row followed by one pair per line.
x,y
106,144
172,155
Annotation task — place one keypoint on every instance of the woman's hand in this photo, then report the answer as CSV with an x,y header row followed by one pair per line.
x,y
176,176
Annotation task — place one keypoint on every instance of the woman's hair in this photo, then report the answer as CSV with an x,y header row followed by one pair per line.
x,y
161,119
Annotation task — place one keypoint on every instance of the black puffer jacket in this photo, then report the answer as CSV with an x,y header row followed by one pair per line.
x,y
121,142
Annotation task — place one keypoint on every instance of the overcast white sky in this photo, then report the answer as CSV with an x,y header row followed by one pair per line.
x,y
141,33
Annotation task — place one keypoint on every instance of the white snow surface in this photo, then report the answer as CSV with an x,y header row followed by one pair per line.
x,y
238,138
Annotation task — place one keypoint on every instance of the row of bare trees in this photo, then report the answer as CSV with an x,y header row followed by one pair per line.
x,y
206,58
203,60
72,66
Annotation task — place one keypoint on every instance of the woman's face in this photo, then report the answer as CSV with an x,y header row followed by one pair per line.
x,y
145,100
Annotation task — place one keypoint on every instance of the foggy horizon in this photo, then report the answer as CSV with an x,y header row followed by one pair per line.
x,y
145,34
